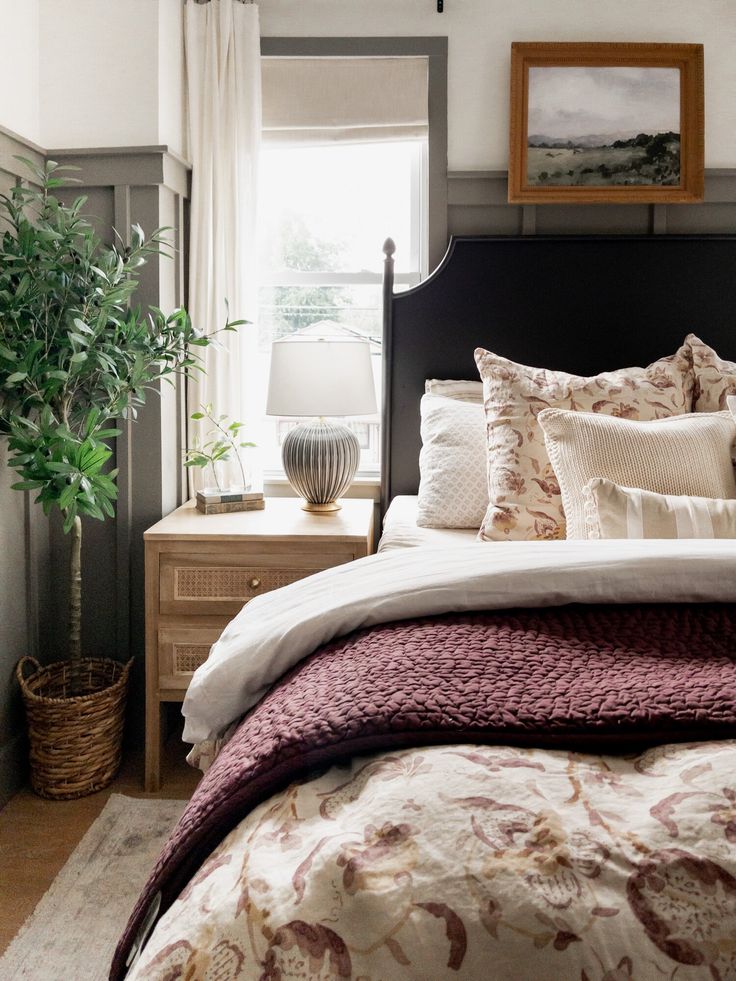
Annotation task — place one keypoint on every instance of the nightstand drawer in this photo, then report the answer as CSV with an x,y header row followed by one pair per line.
x,y
214,584
181,650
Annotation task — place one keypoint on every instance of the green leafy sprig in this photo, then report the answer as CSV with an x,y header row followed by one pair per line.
x,y
220,444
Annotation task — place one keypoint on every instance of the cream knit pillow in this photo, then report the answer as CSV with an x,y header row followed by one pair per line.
x,y
626,512
688,454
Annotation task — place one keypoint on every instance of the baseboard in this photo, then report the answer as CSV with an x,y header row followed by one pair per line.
x,y
13,768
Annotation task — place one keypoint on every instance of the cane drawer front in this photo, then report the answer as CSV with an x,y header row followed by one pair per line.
x,y
181,650
217,584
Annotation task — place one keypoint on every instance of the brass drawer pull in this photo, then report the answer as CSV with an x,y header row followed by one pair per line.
x,y
255,583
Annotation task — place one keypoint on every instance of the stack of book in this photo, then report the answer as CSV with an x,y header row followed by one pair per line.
x,y
221,502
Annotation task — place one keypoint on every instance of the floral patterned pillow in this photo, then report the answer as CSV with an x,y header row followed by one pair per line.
x,y
524,496
715,379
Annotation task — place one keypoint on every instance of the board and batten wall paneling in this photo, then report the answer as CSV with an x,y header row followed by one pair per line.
x,y
24,552
477,205
148,185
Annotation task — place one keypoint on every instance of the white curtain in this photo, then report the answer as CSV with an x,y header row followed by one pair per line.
x,y
223,70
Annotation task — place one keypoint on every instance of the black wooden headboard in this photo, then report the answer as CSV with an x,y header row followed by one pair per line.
x,y
580,304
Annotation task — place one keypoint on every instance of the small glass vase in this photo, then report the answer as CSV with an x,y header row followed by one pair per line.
x,y
215,478
249,459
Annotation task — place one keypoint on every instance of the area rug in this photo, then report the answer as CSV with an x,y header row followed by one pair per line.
x,y
73,931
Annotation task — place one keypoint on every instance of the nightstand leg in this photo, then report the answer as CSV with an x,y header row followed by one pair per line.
x,y
153,744
152,778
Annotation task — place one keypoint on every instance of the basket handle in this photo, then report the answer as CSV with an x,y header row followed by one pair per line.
x,y
24,663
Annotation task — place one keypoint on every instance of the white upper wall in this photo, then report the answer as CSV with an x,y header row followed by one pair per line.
x,y
19,81
480,33
111,73
99,72
171,74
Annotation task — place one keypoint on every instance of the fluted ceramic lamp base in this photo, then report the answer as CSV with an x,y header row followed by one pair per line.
x,y
320,461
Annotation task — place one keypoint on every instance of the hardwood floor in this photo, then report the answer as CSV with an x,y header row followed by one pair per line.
x,y
38,836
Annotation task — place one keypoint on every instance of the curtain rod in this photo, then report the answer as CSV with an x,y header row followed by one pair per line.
x,y
440,4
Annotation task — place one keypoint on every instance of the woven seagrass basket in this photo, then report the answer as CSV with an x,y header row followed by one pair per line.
x,y
75,740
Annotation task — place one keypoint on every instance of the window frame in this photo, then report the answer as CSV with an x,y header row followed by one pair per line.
x,y
429,197
434,49
417,262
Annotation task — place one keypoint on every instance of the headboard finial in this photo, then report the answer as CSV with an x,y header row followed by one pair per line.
x,y
389,247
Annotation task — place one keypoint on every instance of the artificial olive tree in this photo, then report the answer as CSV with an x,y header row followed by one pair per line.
x,y
75,356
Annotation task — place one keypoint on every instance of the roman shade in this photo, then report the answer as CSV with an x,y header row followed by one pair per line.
x,y
312,101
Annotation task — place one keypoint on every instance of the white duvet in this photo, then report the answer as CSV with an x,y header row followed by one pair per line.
x,y
276,630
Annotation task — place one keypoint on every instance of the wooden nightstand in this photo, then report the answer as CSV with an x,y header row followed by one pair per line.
x,y
201,570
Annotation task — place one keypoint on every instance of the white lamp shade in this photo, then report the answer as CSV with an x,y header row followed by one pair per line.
x,y
320,377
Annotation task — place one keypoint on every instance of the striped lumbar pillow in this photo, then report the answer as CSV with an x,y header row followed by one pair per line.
x,y
612,511
686,454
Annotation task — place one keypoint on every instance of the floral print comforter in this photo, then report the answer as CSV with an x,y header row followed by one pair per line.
x,y
472,862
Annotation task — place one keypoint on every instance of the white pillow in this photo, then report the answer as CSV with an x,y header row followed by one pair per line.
x,y
453,486
680,455
466,391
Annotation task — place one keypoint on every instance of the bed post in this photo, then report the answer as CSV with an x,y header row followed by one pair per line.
x,y
386,348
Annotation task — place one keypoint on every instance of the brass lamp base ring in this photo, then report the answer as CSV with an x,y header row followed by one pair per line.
x,y
329,508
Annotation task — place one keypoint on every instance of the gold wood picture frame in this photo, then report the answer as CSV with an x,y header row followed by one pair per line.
x,y
605,123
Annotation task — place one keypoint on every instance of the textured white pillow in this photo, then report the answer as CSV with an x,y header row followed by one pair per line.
x,y
680,455
453,487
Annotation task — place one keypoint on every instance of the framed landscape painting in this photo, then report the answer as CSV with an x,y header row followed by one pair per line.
x,y
606,123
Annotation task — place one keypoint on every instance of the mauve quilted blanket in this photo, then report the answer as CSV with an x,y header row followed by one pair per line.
x,y
586,677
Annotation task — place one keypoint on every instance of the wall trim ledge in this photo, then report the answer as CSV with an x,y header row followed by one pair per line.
x,y
139,166
12,146
464,186
132,166
477,204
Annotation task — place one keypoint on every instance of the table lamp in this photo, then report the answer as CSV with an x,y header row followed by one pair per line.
x,y
320,377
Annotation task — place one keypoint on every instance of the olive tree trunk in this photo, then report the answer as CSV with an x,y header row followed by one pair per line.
x,y
75,598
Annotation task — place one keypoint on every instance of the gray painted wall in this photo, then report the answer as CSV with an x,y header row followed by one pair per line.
x,y
24,560
150,186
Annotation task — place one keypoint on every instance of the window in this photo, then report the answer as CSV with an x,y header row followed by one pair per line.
x,y
325,213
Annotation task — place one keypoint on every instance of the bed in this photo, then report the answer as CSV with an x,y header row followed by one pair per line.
x,y
462,759
400,528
